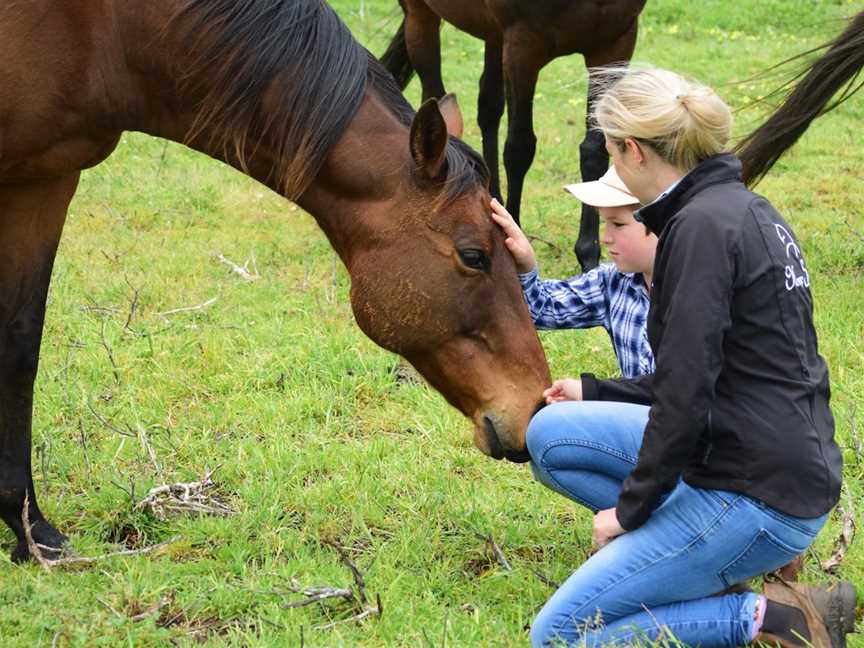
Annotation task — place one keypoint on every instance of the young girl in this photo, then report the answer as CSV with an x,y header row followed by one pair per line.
x,y
613,295
722,465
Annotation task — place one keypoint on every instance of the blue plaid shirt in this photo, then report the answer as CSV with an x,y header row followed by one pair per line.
x,y
605,297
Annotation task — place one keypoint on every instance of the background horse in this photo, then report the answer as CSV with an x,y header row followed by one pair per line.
x,y
280,90
521,38
814,95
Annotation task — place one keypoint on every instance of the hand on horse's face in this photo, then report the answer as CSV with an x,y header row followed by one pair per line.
x,y
517,243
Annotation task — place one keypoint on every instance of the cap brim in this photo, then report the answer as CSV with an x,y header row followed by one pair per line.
x,y
598,194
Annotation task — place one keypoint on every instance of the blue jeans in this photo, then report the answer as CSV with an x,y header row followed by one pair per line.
x,y
660,578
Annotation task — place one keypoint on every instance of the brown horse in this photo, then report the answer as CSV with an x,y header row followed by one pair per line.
x,y
815,94
521,38
280,90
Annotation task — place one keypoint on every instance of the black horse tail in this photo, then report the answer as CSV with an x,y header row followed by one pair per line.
x,y
396,60
839,66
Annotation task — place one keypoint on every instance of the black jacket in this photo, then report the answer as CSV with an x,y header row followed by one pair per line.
x,y
739,399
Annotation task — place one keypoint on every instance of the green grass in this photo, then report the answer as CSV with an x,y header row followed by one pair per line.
x,y
313,437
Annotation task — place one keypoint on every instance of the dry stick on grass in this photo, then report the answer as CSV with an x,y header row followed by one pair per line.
x,y
315,594
46,563
133,305
187,309
144,440
190,497
360,601
243,270
108,424
540,239
104,341
497,550
545,579
844,541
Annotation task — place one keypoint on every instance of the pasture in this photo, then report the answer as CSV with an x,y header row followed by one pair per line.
x,y
159,364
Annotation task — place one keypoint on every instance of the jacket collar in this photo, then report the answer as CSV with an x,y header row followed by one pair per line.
x,y
715,170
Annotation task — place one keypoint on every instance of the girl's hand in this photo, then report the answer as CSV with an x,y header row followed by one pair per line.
x,y
516,241
606,528
563,390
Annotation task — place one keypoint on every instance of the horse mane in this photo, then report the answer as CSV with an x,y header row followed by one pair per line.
x,y
812,96
240,47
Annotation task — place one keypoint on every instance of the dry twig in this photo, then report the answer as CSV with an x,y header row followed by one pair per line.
x,y
191,498
187,309
243,270
539,239
844,541
545,579
358,601
497,550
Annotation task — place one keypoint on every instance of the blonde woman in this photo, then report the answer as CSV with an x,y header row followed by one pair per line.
x,y
726,463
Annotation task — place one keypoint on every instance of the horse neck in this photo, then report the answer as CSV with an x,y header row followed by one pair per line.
x,y
365,172
361,174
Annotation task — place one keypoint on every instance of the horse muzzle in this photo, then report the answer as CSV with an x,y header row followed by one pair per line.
x,y
487,438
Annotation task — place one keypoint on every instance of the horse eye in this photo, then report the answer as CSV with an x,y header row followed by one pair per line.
x,y
476,259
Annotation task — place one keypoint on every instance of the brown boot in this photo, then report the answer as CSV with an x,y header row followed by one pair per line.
x,y
829,612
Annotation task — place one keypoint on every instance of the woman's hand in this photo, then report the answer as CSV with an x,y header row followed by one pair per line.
x,y
606,528
563,390
516,241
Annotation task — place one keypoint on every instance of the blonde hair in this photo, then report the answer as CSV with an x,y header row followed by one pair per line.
x,y
683,121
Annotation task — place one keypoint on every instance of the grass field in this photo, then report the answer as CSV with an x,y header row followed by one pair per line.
x,y
312,438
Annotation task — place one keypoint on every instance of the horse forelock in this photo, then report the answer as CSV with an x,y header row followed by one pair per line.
x,y
295,54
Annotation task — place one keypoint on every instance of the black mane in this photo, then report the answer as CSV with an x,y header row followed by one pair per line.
x,y
240,47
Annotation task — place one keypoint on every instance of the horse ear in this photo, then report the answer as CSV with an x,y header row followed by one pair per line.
x,y
429,141
449,107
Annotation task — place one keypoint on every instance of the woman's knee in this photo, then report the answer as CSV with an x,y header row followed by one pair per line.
x,y
545,427
545,631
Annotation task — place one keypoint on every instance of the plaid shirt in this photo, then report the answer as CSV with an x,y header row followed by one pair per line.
x,y
605,297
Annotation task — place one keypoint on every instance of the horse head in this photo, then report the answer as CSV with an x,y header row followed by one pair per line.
x,y
440,288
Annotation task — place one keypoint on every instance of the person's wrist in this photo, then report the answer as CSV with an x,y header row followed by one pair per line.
x,y
526,267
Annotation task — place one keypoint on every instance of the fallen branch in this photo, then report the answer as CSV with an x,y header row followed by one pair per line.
x,y
844,541
358,577
497,550
243,270
315,594
187,309
357,601
545,579
539,239
191,498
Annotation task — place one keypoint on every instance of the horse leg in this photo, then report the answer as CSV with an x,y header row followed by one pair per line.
x,y
593,157
423,40
523,57
490,107
31,221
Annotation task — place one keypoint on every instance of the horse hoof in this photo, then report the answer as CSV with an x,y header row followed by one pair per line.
x,y
53,544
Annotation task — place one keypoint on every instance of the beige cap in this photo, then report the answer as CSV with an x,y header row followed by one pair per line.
x,y
608,191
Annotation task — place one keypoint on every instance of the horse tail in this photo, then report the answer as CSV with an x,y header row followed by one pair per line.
x,y
840,65
396,60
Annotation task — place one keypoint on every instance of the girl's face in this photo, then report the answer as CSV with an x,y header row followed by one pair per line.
x,y
626,241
